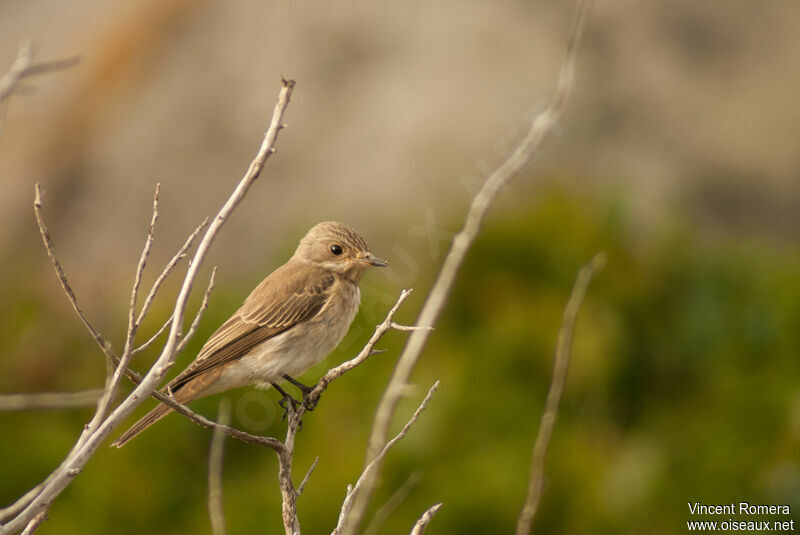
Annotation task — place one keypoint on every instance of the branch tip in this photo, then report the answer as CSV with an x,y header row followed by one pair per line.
x,y
599,261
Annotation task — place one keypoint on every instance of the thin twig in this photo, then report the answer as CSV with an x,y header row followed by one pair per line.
x,y
560,366
425,519
302,485
180,255
291,523
367,351
216,453
399,496
46,401
285,450
196,321
24,67
289,495
400,327
48,245
22,502
541,128
104,345
78,458
202,421
352,493
153,338
35,523
133,325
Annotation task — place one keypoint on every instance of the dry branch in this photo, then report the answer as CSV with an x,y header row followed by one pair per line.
x,y
352,492
425,519
62,278
216,453
541,128
24,66
49,400
34,524
32,508
94,435
196,321
133,325
560,366
285,450
394,501
288,493
180,255
302,486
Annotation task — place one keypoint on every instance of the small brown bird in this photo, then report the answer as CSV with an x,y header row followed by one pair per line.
x,y
289,323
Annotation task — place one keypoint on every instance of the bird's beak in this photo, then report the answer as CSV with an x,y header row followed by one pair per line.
x,y
372,260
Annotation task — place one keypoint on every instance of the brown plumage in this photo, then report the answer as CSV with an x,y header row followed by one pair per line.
x,y
288,323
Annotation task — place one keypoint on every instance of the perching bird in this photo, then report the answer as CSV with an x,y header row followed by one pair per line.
x,y
289,323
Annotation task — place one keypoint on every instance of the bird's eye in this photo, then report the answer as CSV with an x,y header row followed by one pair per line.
x,y
336,249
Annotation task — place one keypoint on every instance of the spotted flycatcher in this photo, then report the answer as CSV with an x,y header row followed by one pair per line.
x,y
289,323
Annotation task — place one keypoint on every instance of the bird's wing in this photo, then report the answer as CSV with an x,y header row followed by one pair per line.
x,y
288,296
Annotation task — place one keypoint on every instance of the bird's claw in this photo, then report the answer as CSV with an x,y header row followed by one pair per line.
x,y
310,403
291,402
286,402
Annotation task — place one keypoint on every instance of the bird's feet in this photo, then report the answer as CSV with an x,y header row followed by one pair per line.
x,y
309,403
286,402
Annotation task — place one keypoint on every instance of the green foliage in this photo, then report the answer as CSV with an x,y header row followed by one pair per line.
x,y
683,386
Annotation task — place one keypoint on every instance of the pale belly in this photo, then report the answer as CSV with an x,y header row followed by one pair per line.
x,y
296,350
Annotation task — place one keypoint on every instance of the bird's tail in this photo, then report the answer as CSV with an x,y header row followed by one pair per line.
x,y
146,421
183,392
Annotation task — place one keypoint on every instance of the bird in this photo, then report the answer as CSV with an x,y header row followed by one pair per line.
x,y
291,321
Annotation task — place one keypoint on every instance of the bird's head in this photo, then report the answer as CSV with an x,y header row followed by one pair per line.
x,y
338,248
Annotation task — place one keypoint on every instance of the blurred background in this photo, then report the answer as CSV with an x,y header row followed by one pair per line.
x,y
679,156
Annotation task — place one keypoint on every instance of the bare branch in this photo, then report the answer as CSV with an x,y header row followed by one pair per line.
x,y
202,421
352,493
541,128
216,453
180,255
116,374
24,67
289,495
391,504
285,449
48,245
34,523
400,327
153,338
563,349
425,519
291,523
232,432
203,306
22,502
133,325
80,456
307,477
364,354
49,400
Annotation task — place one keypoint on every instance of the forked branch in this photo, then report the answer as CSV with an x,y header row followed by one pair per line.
x,y
541,128
560,366
102,425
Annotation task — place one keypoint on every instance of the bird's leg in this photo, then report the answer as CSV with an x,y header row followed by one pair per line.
x,y
286,398
303,388
306,390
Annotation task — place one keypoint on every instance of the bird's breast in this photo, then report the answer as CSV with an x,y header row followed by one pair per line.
x,y
306,344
